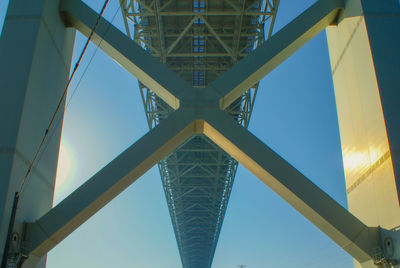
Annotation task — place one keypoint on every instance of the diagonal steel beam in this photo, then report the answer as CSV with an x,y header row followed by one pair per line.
x,y
67,216
212,31
187,28
274,9
155,50
146,68
359,240
235,7
143,3
253,5
160,29
164,6
247,72
346,230
124,12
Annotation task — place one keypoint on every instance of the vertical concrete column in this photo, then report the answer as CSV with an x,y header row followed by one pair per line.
x,y
365,58
35,57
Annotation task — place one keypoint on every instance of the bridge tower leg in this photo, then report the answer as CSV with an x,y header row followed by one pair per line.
x,y
365,57
35,57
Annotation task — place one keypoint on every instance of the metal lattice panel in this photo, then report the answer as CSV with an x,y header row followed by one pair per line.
x,y
199,40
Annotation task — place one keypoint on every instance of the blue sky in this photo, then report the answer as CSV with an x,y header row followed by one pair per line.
x,y
294,113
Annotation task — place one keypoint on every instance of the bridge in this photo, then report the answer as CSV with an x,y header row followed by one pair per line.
x,y
198,41
199,64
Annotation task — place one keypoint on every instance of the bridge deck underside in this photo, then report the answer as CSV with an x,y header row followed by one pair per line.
x,y
199,40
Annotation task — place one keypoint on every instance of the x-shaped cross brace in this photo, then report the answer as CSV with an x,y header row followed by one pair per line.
x,y
201,111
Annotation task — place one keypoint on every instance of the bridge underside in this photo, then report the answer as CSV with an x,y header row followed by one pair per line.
x,y
177,140
199,40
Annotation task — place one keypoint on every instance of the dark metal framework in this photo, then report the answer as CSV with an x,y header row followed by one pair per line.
x,y
199,40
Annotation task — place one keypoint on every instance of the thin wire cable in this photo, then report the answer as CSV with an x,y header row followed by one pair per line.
x,y
63,96
78,84
92,57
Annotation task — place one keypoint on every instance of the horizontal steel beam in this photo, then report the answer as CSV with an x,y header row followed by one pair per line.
x,y
359,240
192,13
106,184
247,72
220,33
180,28
191,54
146,68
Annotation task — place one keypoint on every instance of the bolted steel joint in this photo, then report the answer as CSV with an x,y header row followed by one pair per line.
x,y
389,254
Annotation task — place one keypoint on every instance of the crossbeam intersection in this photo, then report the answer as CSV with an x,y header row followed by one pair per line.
x,y
201,111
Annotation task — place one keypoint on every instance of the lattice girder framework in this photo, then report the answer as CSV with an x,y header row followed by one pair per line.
x,y
198,177
201,113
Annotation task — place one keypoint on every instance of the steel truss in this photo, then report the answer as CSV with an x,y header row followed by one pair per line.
x,y
198,45
203,112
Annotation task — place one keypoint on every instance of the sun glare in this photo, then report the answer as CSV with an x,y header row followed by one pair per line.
x,y
361,160
65,167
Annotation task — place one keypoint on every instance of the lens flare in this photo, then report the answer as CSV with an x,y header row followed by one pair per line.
x,y
65,168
